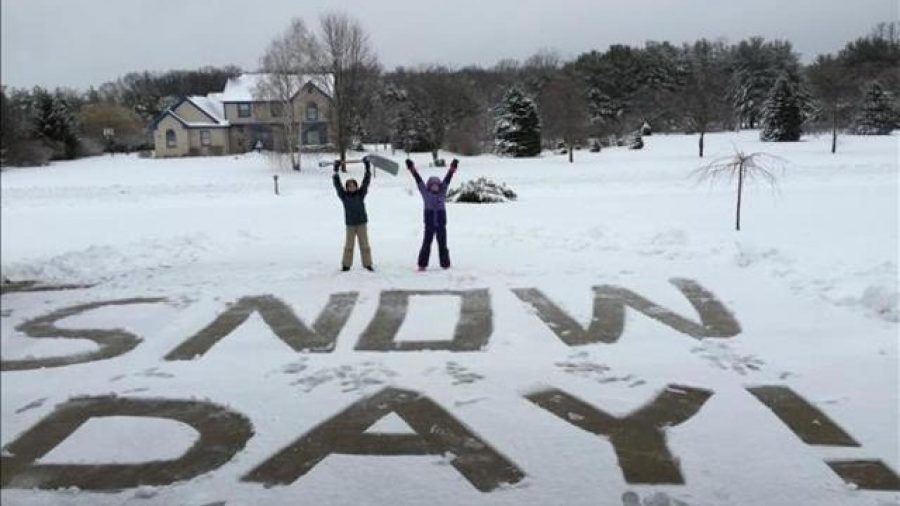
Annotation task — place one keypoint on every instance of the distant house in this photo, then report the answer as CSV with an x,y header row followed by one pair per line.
x,y
241,118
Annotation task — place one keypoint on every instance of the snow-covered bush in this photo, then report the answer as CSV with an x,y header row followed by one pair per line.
x,y
637,141
481,191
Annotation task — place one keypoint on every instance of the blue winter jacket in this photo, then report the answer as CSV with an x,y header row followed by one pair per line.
x,y
354,202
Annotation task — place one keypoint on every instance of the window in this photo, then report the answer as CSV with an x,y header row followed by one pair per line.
x,y
312,112
171,140
244,110
276,109
204,138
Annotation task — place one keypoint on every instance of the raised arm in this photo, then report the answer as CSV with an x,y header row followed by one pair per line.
x,y
367,178
336,179
415,174
453,165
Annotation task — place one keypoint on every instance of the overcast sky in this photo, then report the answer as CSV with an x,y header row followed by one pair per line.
x,y
77,43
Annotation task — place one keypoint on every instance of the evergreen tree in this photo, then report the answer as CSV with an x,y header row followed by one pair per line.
x,y
877,116
755,66
627,84
782,113
518,127
875,57
56,121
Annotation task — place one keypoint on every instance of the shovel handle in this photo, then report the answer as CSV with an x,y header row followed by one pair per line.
x,y
345,162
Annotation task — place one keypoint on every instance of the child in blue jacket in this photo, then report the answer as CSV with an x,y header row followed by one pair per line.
x,y
353,197
434,196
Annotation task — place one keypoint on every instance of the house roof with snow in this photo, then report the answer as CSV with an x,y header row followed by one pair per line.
x,y
210,104
249,88
210,108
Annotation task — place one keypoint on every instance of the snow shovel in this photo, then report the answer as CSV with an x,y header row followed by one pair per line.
x,y
379,162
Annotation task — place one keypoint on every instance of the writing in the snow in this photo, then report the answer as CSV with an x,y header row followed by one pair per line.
x,y
638,438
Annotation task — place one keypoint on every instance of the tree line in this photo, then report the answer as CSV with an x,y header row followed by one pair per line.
x,y
514,107
615,96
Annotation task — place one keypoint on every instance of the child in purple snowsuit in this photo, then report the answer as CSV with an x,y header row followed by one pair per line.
x,y
434,195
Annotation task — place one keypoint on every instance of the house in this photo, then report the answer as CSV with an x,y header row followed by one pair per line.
x,y
243,117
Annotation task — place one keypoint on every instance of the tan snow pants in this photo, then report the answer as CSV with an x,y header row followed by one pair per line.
x,y
354,233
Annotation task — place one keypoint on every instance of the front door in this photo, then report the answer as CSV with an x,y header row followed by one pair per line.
x,y
261,135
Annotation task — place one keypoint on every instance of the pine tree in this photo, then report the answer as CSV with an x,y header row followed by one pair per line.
x,y
783,113
756,65
518,127
877,116
54,122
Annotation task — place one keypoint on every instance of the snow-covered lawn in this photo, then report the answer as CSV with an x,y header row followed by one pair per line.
x,y
811,281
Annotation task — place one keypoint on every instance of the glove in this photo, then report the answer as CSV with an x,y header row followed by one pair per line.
x,y
410,165
366,162
337,165
454,164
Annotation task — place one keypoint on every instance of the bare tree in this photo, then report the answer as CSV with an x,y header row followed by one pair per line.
x,y
704,94
744,167
286,62
565,111
347,58
833,88
538,70
436,99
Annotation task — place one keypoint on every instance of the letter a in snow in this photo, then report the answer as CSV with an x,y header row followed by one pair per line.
x,y
437,433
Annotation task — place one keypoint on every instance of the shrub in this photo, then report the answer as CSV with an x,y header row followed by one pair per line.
x,y
637,142
482,191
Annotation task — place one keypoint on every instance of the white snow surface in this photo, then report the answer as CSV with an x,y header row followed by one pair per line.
x,y
812,278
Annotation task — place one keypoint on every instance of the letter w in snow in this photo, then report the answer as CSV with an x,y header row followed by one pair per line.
x,y
608,321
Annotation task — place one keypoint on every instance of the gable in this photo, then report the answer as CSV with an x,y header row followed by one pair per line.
x,y
190,112
312,89
186,107
170,121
